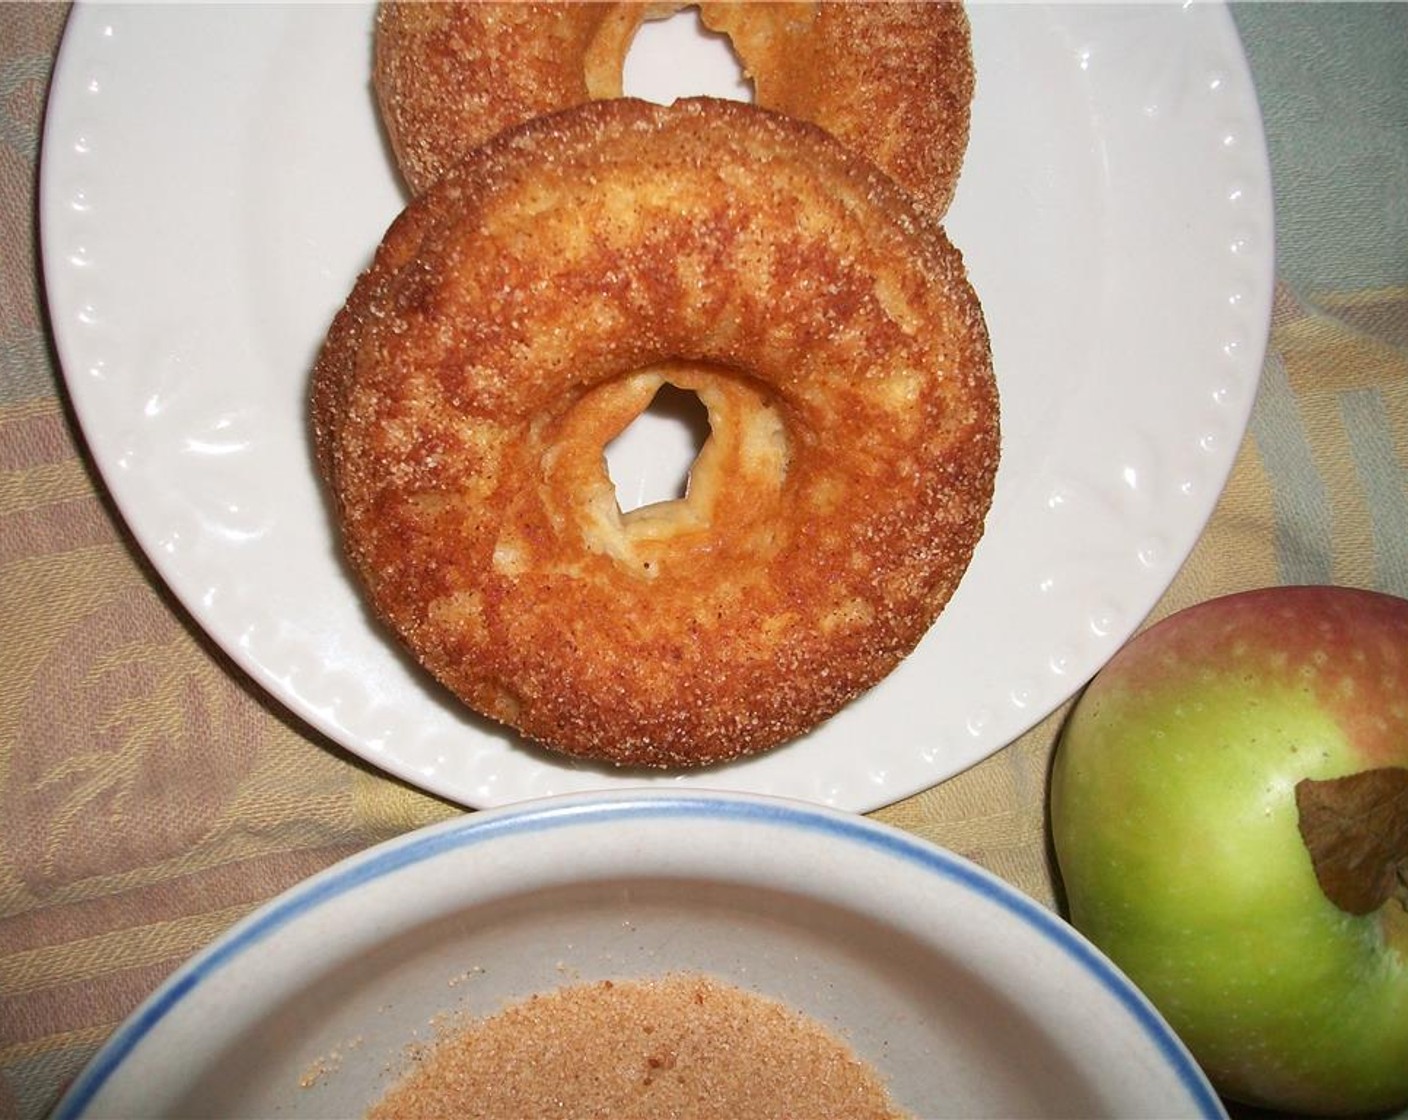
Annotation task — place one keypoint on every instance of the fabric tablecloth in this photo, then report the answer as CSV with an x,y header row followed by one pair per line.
x,y
150,795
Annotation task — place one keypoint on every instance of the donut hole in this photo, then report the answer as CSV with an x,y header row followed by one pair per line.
x,y
675,55
650,461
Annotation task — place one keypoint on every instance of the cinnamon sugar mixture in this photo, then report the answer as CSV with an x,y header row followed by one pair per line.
x,y
679,1046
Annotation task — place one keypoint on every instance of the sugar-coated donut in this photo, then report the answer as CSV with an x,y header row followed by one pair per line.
x,y
894,81
524,310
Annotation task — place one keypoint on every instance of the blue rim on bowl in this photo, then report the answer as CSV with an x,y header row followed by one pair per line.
x,y
475,835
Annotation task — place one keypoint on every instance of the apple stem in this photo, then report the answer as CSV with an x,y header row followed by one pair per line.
x,y
1356,831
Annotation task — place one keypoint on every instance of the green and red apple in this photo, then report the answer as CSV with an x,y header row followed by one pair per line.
x,y
1229,812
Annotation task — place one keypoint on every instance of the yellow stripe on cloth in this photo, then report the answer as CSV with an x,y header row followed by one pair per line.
x,y
115,951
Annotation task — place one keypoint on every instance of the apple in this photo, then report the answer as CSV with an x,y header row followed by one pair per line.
x,y
1229,816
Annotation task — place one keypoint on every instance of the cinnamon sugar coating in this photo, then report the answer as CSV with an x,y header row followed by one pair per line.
x,y
893,81
670,1048
523,311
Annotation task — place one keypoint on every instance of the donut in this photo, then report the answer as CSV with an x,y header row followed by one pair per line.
x,y
894,81
524,309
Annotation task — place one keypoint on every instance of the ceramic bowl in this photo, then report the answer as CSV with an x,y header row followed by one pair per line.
x,y
970,998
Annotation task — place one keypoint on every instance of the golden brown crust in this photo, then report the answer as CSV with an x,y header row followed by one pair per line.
x,y
894,81
524,308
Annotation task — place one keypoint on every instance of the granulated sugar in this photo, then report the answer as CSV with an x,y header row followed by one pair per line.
x,y
679,1046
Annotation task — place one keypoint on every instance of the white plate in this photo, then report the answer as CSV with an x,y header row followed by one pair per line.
x,y
213,178
968,997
